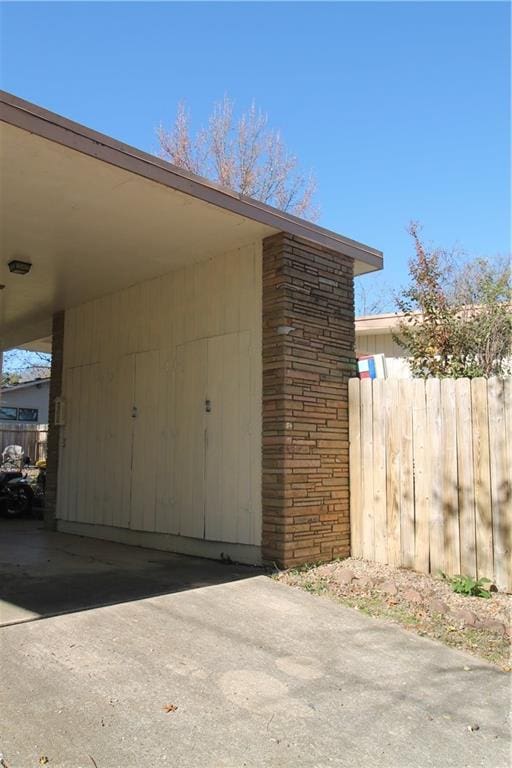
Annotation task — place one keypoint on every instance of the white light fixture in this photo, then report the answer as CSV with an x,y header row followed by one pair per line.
x,y
18,267
284,330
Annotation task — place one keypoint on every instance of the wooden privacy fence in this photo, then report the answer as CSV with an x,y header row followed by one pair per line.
x,y
31,437
430,475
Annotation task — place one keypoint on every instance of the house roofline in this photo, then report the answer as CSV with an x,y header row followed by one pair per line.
x,y
375,324
23,384
49,125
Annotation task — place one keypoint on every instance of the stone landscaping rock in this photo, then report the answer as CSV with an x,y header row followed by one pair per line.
x,y
412,596
438,606
364,582
345,577
389,587
494,626
466,617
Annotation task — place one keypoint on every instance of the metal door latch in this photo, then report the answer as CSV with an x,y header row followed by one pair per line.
x,y
208,406
134,412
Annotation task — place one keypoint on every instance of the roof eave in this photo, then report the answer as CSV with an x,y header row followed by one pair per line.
x,y
34,119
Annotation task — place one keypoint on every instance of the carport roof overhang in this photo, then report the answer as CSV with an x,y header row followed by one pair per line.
x,y
93,216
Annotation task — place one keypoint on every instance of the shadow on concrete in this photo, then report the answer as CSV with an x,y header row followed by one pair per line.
x,y
45,573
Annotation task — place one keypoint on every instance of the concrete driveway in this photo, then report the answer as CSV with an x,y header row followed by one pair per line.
x,y
261,675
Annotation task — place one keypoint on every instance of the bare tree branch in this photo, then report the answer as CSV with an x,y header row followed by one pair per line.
x,y
244,155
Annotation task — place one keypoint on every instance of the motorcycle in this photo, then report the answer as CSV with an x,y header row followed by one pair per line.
x,y
16,494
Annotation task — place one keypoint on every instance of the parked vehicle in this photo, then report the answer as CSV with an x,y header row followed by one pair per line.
x,y
16,494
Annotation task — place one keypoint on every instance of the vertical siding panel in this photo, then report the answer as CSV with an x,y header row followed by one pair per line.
x,y
86,465
125,437
108,449
190,438
165,513
80,404
146,441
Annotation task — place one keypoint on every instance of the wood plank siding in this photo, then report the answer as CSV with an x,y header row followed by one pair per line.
x,y
139,449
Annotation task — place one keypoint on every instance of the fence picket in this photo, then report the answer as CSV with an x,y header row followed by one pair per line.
x,y
354,423
379,473
482,478
434,431
392,471
450,499
466,493
406,474
507,403
367,527
499,491
421,477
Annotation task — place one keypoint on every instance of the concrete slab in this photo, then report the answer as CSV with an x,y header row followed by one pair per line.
x,y
262,676
44,573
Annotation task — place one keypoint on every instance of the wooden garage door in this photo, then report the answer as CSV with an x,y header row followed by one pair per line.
x,y
212,458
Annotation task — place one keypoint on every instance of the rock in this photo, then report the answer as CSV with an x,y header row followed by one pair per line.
x,y
345,577
468,618
389,587
364,582
438,606
492,625
412,596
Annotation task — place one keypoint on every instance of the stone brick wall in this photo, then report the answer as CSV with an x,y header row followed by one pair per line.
x,y
53,429
305,400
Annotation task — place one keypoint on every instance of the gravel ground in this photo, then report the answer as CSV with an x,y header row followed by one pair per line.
x,y
424,604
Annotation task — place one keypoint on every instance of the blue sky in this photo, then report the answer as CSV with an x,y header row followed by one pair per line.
x,y
401,109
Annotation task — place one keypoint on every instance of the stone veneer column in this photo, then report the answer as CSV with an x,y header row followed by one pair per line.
x,y
53,430
308,356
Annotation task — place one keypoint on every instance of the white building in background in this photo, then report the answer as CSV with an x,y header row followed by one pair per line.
x,y
374,336
26,402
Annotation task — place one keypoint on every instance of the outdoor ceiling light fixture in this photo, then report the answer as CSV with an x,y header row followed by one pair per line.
x,y
19,267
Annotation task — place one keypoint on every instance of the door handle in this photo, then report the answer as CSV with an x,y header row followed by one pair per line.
x,y
208,406
135,412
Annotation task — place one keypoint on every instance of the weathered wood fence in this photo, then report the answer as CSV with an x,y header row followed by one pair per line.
x,y
431,475
31,437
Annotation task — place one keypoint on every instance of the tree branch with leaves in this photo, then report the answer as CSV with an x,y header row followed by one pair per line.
x,y
457,315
